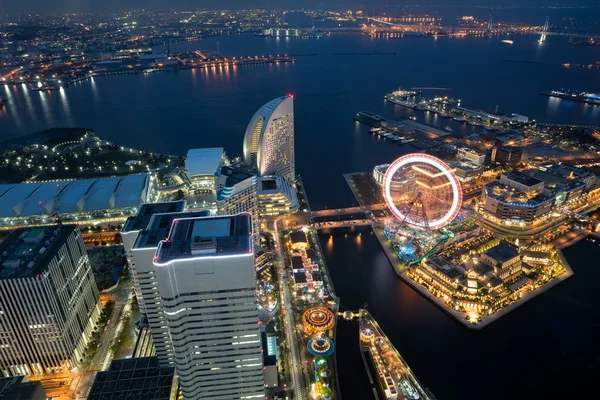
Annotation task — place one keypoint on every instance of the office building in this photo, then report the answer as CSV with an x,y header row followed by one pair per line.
x,y
508,156
238,192
269,139
135,379
49,301
131,230
276,196
17,388
206,279
472,154
141,235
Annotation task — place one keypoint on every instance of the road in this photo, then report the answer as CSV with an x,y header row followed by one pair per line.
x,y
295,361
122,297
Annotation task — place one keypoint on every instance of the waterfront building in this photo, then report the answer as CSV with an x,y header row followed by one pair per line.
x,y
100,200
269,139
504,259
508,156
206,279
142,236
472,154
203,167
18,388
49,302
238,192
136,379
276,196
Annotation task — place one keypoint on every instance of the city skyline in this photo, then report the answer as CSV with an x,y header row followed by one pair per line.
x,y
223,204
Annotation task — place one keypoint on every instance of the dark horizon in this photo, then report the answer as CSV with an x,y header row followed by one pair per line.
x,y
77,6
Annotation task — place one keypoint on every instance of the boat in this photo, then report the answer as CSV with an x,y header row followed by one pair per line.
x,y
413,118
469,122
409,390
583,97
507,41
447,127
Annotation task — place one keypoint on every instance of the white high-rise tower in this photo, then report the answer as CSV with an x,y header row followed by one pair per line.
x,y
206,280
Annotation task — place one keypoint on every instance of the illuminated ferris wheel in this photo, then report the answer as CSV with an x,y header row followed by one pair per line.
x,y
422,191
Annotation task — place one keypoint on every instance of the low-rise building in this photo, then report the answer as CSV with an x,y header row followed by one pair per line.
x,y
512,205
466,171
471,154
203,167
504,259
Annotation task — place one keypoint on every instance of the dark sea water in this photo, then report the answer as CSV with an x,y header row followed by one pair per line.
x,y
174,111
545,349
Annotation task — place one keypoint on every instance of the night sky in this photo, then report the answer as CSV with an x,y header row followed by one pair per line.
x,y
42,6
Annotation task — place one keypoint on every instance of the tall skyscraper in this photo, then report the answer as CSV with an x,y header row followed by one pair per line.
x,y
206,279
132,228
269,139
141,236
49,301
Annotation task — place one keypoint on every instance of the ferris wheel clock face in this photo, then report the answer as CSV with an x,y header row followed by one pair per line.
x,y
422,191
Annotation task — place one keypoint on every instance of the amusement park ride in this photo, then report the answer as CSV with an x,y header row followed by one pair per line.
x,y
424,195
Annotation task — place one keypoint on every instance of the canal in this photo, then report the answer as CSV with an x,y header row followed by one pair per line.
x,y
547,348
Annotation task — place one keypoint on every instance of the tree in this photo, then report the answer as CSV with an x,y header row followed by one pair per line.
x,y
180,195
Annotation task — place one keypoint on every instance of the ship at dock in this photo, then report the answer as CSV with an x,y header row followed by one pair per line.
x,y
404,98
582,97
369,118
386,369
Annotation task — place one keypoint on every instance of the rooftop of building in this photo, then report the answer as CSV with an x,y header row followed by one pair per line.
x,y
204,161
133,379
235,175
444,266
465,165
523,179
473,150
27,251
298,237
512,196
206,237
502,252
511,149
147,210
159,226
28,199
